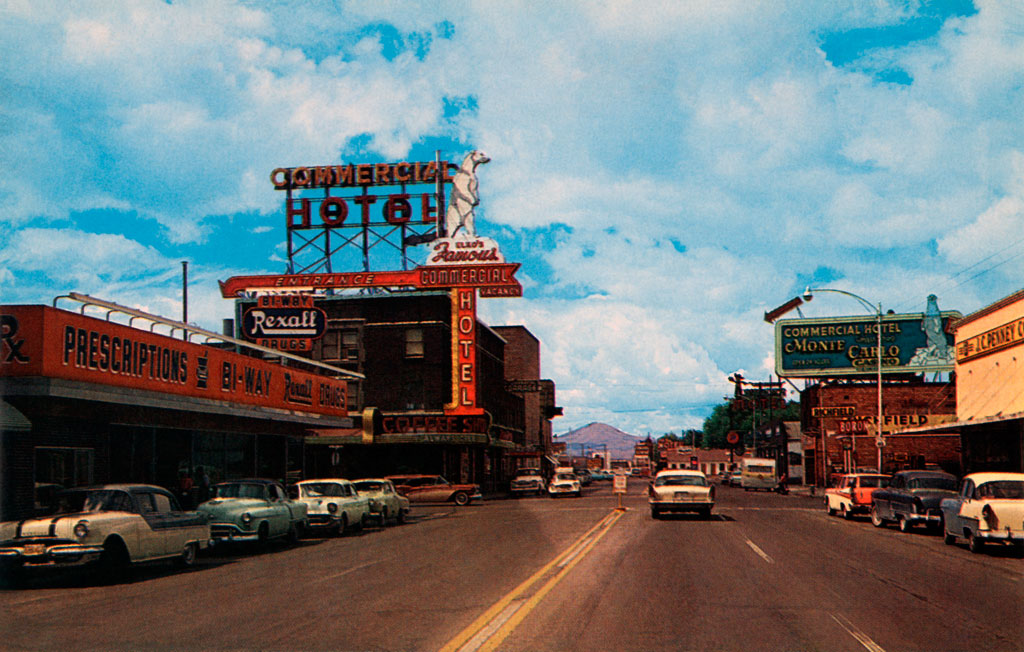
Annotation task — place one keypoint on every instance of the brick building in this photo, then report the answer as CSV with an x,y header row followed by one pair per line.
x,y
842,419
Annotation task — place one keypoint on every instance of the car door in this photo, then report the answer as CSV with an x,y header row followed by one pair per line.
x,y
887,499
280,516
955,517
152,537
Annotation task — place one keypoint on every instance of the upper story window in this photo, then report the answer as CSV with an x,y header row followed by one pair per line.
x,y
414,343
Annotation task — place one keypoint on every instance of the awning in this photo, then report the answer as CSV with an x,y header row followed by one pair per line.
x,y
959,425
335,436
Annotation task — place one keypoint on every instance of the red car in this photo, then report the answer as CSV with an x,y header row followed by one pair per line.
x,y
434,489
850,493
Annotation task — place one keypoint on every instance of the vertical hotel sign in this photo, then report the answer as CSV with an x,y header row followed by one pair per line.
x,y
460,261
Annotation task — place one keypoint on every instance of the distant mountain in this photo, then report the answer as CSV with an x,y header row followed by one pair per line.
x,y
595,437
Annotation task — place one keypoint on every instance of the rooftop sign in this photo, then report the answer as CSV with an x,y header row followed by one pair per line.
x,y
847,346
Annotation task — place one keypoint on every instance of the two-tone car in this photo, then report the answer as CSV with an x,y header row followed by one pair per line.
x,y
851,493
564,483
912,498
422,488
384,500
527,480
253,510
680,490
114,525
333,505
989,508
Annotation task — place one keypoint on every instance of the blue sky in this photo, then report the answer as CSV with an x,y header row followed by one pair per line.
x,y
664,171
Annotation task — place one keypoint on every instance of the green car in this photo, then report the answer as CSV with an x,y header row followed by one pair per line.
x,y
253,510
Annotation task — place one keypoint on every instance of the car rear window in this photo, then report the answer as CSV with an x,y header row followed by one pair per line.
x,y
680,481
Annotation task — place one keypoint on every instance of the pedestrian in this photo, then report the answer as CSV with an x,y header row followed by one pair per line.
x,y
185,489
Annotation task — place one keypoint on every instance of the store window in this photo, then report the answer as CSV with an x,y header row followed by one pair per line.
x,y
59,468
414,343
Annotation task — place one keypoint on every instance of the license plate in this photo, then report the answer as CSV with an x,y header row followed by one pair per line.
x,y
683,496
35,549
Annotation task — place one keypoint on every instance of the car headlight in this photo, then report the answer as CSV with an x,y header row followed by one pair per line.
x,y
332,508
246,518
82,529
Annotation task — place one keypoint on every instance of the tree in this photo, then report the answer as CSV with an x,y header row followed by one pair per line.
x,y
724,418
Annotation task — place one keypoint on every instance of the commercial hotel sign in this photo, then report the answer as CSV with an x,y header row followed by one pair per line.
x,y
848,346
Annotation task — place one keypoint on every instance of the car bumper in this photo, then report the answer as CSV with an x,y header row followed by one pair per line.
x,y
526,490
1003,536
681,506
929,519
63,554
556,491
320,521
230,533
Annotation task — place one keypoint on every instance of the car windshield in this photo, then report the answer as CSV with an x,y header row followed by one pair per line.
x,y
318,489
565,476
369,486
101,500
1002,489
933,483
873,481
239,490
680,480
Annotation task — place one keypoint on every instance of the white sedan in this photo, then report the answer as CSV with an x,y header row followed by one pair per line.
x,y
681,490
564,483
988,509
333,504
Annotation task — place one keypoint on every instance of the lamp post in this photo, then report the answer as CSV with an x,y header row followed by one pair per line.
x,y
879,440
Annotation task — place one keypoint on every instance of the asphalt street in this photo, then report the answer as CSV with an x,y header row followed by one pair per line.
x,y
766,572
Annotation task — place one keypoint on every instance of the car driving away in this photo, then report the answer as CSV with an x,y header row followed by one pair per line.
x,y
681,490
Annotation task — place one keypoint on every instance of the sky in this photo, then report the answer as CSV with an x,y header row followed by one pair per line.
x,y
665,172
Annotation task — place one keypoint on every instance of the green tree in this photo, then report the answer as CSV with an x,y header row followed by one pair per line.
x,y
724,418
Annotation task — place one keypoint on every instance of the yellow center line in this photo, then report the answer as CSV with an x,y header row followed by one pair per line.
x,y
500,608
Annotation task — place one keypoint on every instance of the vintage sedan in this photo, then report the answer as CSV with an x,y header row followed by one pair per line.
x,y
565,483
988,509
385,501
434,489
912,498
253,510
851,493
113,525
527,481
680,490
333,505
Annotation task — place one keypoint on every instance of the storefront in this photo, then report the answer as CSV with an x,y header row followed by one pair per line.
x,y
88,400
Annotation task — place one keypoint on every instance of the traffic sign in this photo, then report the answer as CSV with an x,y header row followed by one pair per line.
x,y
733,437
619,483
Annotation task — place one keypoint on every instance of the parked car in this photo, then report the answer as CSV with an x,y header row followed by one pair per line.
x,y
527,481
585,477
735,479
564,483
988,509
434,489
113,525
385,501
253,510
332,504
680,490
600,474
850,493
911,498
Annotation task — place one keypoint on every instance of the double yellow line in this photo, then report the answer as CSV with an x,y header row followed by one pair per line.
x,y
495,624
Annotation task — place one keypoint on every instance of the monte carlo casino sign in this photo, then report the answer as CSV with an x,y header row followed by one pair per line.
x,y
385,223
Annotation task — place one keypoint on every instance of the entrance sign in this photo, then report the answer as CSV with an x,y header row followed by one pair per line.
x,y
847,346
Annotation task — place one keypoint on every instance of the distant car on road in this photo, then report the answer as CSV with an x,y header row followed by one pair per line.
x,y
585,476
680,490
420,488
988,509
850,493
600,474
911,498
113,525
253,510
333,504
527,481
564,482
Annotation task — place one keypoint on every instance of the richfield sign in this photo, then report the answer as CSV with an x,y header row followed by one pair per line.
x,y
848,346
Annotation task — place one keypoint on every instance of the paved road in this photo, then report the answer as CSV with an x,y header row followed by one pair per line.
x,y
767,572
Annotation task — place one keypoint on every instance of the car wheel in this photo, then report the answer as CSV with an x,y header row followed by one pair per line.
x,y
876,518
705,514
188,556
904,524
115,560
947,537
383,517
402,519
655,513
845,513
974,542
828,508
461,498
263,534
293,534
342,525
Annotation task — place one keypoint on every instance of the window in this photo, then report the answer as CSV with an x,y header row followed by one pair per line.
x,y
330,346
414,343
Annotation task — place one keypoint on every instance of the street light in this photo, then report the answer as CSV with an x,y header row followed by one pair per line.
x,y
879,440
